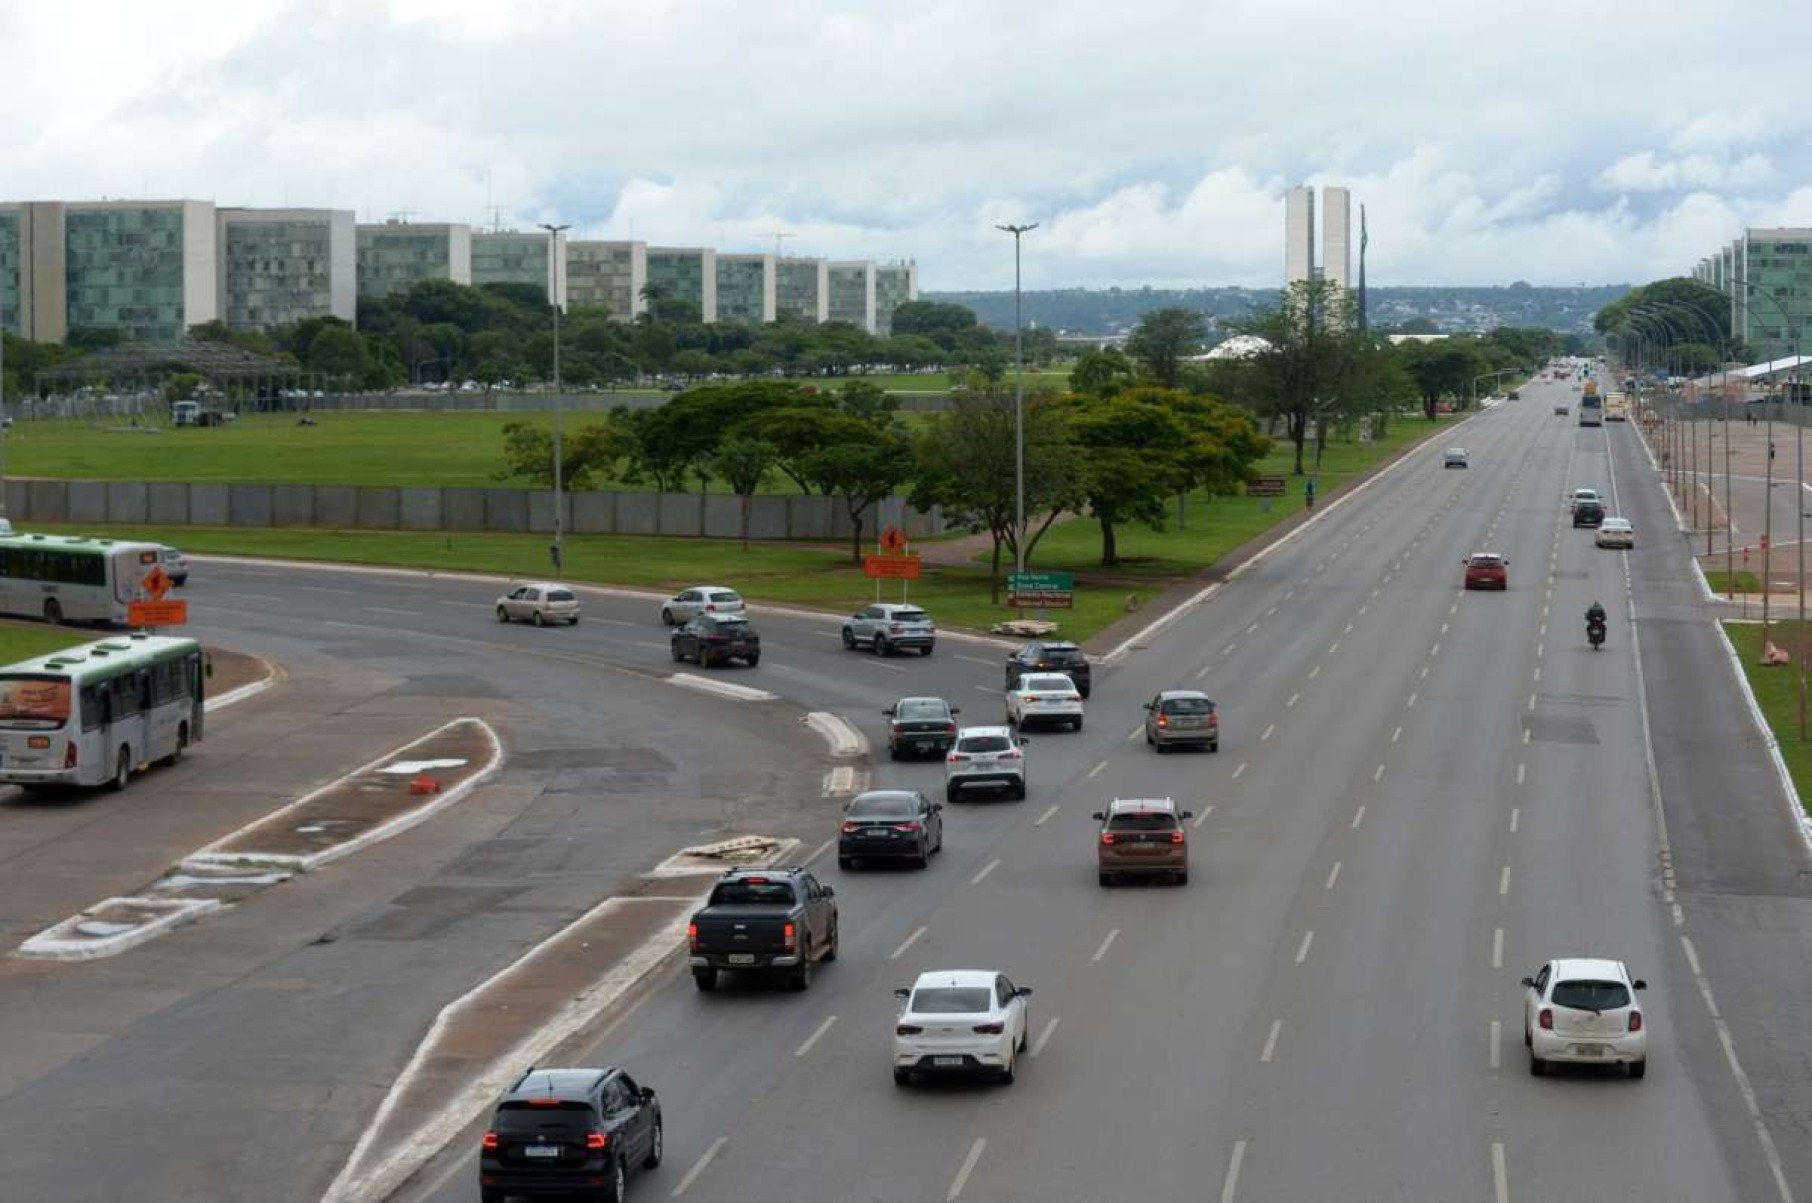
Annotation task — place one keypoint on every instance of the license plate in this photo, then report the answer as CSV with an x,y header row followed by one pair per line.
x,y
882,834
947,1062
923,745
541,1150
742,958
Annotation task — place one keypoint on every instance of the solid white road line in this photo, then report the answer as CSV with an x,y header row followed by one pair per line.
x,y
1500,1179
698,1167
1333,876
819,851
1230,1184
1096,771
1302,950
974,659
1105,945
1496,1056
1497,948
330,589
256,597
968,1167
1240,771
985,870
1044,1037
1133,735
393,610
1045,817
1271,1042
1358,817
908,942
829,1022
1203,817
1267,734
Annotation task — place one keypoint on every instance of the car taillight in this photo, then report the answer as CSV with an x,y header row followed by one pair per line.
x,y
898,727
1032,697
956,757
1176,837
1107,837
711,607
1014,754
990,1029
851,828
905,826
789,935
69,755
1163,720
1214,720
1547,1019
491,1141
597,1140
1635,1021
949,728
692,936
907,1029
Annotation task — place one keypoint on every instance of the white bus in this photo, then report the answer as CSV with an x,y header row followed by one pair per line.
x,y
68,578
95,714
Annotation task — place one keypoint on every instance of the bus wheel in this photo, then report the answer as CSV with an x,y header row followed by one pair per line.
x,y
53,612
122,773
182,744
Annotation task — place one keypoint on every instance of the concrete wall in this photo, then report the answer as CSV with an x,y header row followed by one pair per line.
x,y
371,507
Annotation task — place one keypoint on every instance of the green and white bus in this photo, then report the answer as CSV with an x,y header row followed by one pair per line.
x,y
97,713
69,578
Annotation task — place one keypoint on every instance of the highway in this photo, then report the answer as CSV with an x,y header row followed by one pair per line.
x,y
1421,794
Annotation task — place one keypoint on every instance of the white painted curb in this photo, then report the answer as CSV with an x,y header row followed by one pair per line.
x,y
723,689
1789,795
844,737
250,689
55,944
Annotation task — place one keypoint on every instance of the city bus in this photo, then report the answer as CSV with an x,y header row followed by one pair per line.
x,y
69,578
1591,409
97,713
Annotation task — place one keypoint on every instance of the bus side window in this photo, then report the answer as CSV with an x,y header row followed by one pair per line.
x,y
94,707
142,681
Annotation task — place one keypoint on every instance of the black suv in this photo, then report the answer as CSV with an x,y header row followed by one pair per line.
x,y
1588,513
1041,656
569,1131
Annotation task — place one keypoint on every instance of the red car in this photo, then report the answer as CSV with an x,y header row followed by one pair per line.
x,y
1487,570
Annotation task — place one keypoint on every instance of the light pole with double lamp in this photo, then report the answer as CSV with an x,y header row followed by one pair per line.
x,y
558,550
1799,500
1019,408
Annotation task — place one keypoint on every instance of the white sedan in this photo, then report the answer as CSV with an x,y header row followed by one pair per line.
x,y
1616,532
1044,698
1584,1012
962,1021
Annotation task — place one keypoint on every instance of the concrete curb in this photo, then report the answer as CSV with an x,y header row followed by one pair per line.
x,y
723,689
250,689
1796,810
54,942
844,737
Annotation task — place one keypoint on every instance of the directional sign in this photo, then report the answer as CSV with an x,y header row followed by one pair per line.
x,y
157,582
892,568
1044,590
157,613
1265,486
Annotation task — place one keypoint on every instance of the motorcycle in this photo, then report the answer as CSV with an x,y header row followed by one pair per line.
x,y
1595,634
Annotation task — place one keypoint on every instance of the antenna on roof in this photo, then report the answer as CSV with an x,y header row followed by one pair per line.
x,y
401,215
496,212
778,239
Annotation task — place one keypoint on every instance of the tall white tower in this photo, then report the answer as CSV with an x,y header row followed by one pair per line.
x,y
1299,235
1336,236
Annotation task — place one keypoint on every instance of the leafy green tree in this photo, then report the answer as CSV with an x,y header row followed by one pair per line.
x,y
588,455
744,462
1102,373
339,353
861,465
1439,369
938,321
1163,339
1309,363
181,386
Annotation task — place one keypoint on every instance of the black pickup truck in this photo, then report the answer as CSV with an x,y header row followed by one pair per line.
x,y
779,921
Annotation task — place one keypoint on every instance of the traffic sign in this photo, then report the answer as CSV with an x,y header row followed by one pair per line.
x,y
891,568
1764,542
157,582
1265,486
157,613
1044,590
893,539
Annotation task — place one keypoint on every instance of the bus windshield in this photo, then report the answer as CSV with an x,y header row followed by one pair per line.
x,y
40,703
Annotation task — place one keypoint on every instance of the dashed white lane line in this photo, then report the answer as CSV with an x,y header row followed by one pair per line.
x,y
1443,628
1539,649
1333,876
1291,704
1531,705
698,1167
908,942
1230,1184
1358,817
1497,948
1333,647
260,597
1106,943
1423,675
1378,773
1044,1035
1302,950
975,659
1503,882
985,870
1496,1056
1271,1042
1096,771
1500,1178
1516,818
1267,734
1251,628
1348,630
1046,816
1365,607
892,668
1543,633
1271,611
968,1167
1522,771
1525,736
1228,650
829,1022
1206,669
1238,772
1203,817
1133,735
981,688
1454,608
447,601
1411,704
1436,649
1314,672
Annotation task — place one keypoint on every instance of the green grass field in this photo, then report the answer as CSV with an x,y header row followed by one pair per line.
x,y
931,382
1777,688
1746,582
22,641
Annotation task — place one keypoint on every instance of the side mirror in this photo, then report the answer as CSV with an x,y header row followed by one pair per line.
x,y
936,806
1100,816
902,992
889,712
648,1094
956,710
1529,982
1639,984
826,892
1185,814
1146,706
1023,991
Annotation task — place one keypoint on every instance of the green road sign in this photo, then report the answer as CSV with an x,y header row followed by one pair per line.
x,y
1040,582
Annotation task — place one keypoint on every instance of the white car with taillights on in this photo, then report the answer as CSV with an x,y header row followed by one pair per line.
x,y
1616,532
963,1022
985,758
1044,698
1584,1012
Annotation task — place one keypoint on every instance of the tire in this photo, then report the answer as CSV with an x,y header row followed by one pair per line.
x,y
924,859
1006,1071
1537,1067
1182,878
902,1077
926,650
503,615
1149,741
879,646
893,752
1019,792
182,744
704,658
1160,746
666,616
538,619
656,1147
1638,1070
53,612
573,621
1215,746
676,652
951,793
122,772
617,1191
755,659
705,980
800,979
1077,725
830,951
1528,1040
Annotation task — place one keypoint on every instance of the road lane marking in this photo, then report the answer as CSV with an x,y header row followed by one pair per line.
x,y
1203,817
1105,945
985,870
1333,647
1525,736
1397,734
331,589
1497,948
1378,773
1252,628
1271,611
1239,771
466,605
1348,630
1443,628
1531,706
1411,705
1230,1184
968,1167
1423,676
1044,1036
829,1022
1516,814
1271,1042
1692,955
1205,670
1228,650
1454,608
1543,633
1358,817
698,1167
1521,771
974,659
819,851
1496,1054
1363,609
1302,950
908,942
1291,704
1333,876
1045,817
1267,734
1436,649
1096,771
1539,648
1500,1179
260,597
1314,672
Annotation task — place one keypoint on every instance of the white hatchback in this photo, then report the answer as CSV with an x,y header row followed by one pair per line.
x,y
960,1021
539,602
985,758
1584,1012
688,604
1044,698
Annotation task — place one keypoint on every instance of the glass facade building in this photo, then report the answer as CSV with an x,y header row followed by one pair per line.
x,y
895,284
516,257
279,266
745,288
145,269
686,274
800,290
607,276
395,256
852,294
1767,276
12,265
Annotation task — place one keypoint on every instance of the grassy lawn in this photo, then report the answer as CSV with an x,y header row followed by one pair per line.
x,y
932,382
22,641
1777,688
1746,582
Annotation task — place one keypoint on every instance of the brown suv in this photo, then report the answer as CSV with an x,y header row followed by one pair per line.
x,y
1142,837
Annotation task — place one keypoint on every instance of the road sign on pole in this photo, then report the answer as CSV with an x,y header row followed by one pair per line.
x,y
1045,590
892,568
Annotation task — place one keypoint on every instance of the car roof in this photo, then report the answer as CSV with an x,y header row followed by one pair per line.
x,y
926,699
892,607
708,616
1461,450
955,977
1616,522
994,730
1058,645
1123,806
1171,695
1487,555
1046,676
561,1083
875,795
539,585
1589,968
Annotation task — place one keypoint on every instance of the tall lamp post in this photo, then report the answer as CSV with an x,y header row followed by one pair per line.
x,y
553,296
1787,328
1019,408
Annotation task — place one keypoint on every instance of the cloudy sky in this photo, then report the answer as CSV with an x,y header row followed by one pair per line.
x,y
1548,141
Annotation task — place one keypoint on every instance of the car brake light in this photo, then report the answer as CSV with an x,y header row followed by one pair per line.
x,y
1635,1021
905,826
1547,1019
955,757
597,1140
949,728
69,755
990,1029
1032,697
491,1141
1214,720
711,606
851,828
544,1101
1107,837
897,728
1163,720
1176,837
1014,754
692,936
789,935
907,1029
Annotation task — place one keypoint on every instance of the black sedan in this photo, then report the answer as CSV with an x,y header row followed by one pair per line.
x,y
890,824
920,726
714,638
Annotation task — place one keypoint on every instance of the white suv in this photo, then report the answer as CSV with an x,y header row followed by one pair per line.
x,y
985,758
1584,1012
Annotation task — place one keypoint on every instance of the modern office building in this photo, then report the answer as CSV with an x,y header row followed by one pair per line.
x,y
1299,235
685,273
1767,275
521,257
277,266
33,303
852,293
802,289
608,276
396,255
745,288
895,284
1336,236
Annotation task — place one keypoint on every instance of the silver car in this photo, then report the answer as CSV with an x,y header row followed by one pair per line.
x,y
176,566
1182,716
884,628
539,602
688,604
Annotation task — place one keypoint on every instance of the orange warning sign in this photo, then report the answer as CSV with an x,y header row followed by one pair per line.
x,y
157,582
893,540
157,613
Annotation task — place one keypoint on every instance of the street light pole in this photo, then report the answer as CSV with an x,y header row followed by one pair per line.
x,y
553,296
1019,408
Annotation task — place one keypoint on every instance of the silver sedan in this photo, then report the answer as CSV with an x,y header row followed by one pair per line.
x,y
539,602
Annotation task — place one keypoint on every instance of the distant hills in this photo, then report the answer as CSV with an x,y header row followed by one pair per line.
x,y
1099,311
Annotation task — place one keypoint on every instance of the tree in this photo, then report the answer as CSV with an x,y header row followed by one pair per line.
x,y
862,466
743,462
181,386
588,455
1163,339
339,353
1102,373
938,321
1438,369
1309,362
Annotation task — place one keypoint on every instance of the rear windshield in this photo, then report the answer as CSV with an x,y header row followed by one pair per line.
x,y
952,1000
1486,561
1186,706
39,703
883,808
1142,821
752,890
1062,655
920,710
1591,996
984,743
560,595
911,616
723,595
527,1119
1050,681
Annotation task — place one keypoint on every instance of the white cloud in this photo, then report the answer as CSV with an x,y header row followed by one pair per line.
x,y
1645,172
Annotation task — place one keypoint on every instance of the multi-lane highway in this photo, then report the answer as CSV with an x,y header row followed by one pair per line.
x,y
1420,795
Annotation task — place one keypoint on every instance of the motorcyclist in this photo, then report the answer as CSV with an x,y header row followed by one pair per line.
x,y
1594,617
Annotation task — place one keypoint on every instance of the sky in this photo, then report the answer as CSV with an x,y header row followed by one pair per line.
x,y
1152,141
